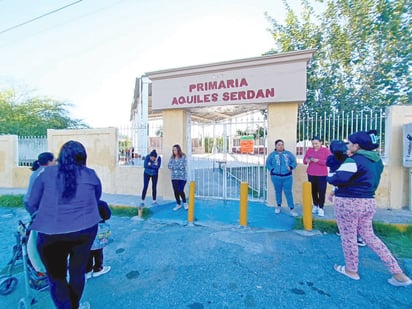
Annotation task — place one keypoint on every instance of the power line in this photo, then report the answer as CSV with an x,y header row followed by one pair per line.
x,y
41,16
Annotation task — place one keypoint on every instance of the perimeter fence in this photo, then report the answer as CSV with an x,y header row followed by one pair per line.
x,y
327,126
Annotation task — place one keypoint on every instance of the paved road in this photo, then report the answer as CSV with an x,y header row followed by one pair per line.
x,y
163,263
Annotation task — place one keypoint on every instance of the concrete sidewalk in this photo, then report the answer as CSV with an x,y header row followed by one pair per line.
x,y
227,212
216,210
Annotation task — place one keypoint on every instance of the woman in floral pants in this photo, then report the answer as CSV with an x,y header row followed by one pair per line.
x,y
357,180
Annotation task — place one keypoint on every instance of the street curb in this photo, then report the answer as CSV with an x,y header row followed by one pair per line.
x,y
400,227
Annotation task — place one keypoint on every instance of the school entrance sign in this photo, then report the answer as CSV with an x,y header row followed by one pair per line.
x,y
260,80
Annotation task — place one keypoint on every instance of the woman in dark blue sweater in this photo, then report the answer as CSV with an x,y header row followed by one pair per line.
x,y
64,200
356,181
151,165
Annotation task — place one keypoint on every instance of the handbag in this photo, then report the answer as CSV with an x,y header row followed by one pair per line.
x,y
102,237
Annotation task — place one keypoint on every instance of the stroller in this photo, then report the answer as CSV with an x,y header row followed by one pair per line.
x,y
32,278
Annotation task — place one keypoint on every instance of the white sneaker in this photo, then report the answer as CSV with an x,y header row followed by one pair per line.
x,y
137,218
177,207
293,213
277,210
321,212
104,270
315,209
154,203
185,206
89,275
84,305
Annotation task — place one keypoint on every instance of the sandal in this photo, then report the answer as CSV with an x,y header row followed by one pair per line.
x,y
395,282
341,269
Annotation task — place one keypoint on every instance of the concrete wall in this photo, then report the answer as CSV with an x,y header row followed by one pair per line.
x,y
101,146
10,174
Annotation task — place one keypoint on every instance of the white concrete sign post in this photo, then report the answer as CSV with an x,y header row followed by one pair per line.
x,y
407,156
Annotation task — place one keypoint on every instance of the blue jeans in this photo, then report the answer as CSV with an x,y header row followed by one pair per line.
x,y
54,251
283,184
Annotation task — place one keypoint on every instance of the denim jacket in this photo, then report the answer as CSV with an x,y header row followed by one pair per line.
x,y
281,163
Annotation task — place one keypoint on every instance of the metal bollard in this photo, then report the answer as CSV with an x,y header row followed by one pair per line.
x,y
307,205
244,187
191,210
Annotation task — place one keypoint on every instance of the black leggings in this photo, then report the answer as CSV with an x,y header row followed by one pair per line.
x,y
54,251
95,262
179,190
146,178
318,189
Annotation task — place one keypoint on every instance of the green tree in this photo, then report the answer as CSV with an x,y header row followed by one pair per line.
x,y
32,116
363,57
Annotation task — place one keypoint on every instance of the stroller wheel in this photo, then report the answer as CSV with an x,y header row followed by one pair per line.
x,y
7,285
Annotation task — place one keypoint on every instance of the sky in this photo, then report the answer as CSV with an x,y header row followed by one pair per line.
x,y
90,53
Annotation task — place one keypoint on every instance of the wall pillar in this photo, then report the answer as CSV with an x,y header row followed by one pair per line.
x,y
8,159
174,132
282,124
398,176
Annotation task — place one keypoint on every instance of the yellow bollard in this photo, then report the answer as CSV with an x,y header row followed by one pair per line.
x,y
191,210
307,205
244,188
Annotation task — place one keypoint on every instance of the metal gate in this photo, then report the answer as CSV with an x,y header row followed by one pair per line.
x,y
225,154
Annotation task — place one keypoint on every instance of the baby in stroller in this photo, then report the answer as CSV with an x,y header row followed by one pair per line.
x,y
33,269
25,248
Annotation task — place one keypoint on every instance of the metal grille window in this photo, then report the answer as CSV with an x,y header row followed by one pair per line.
x,y
338,126
29,147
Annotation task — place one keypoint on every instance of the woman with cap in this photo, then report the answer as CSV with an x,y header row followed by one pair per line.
x,y
339,151
317,171
43,160
356,181
151,165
